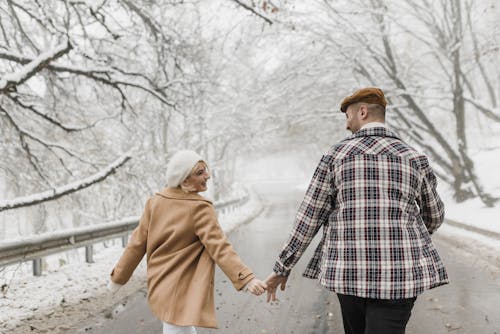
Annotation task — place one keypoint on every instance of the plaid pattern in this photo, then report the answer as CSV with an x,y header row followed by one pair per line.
x,y
376,199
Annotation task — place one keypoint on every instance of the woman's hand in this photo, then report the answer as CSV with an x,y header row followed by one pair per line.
x,y
256,286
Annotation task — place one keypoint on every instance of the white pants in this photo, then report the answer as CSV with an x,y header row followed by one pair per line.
x,y
174,329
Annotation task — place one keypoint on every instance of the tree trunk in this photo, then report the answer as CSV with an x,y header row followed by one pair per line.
x,y
459,110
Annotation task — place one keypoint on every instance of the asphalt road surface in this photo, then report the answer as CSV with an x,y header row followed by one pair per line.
x,y
469,305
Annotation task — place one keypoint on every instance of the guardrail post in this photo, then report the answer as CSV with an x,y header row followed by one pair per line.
x,y
89,254
37,267
125,240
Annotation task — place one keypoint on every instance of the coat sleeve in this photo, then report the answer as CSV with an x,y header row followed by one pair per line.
x,y
135,250
219,248
312,214
431,206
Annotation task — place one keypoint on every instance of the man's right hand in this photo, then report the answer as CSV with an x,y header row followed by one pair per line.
x,y
272,283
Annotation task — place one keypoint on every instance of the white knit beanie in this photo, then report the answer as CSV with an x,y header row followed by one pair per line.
x,y
180,165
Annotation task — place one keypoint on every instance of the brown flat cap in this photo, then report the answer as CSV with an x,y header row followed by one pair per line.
x,y
371,95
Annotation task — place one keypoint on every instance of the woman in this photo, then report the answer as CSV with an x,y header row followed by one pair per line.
x,y
183,241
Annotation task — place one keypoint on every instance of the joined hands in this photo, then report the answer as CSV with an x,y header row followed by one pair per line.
x,y
256,286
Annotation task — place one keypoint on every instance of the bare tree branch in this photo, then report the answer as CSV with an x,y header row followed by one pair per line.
x,y
104,75
253,11
485,110
22,139
32,108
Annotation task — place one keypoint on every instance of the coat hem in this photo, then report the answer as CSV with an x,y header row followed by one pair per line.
x,y
184,323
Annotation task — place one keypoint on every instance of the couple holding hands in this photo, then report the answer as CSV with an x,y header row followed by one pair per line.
x,y
374,197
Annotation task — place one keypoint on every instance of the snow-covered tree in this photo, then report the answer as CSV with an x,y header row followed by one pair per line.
x,y
77,78
436,60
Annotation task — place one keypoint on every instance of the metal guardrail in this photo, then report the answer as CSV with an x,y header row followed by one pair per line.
x,y
35,247
478,230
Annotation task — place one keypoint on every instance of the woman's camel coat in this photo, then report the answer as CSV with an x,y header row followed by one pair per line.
x,y
180,234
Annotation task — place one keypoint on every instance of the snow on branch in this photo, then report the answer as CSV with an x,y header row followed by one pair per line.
x,y
10,81
56,193
109,76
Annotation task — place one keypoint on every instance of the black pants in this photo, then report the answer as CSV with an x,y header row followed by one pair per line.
x,y
375,316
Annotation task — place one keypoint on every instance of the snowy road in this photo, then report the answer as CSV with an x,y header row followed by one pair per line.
x,y
468,305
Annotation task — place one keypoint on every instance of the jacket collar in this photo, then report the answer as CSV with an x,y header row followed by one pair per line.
x,y
378,131
373,125
177,193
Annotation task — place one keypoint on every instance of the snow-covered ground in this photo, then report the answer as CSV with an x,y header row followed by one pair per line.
x,y
69,289
473,212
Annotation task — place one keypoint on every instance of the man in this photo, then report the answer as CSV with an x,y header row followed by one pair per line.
x,y
375,197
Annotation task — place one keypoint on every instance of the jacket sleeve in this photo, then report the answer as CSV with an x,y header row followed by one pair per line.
x,y
135,250
219,248
431,205
313,213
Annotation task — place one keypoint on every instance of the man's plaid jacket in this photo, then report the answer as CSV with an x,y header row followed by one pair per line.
x,y
376,199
